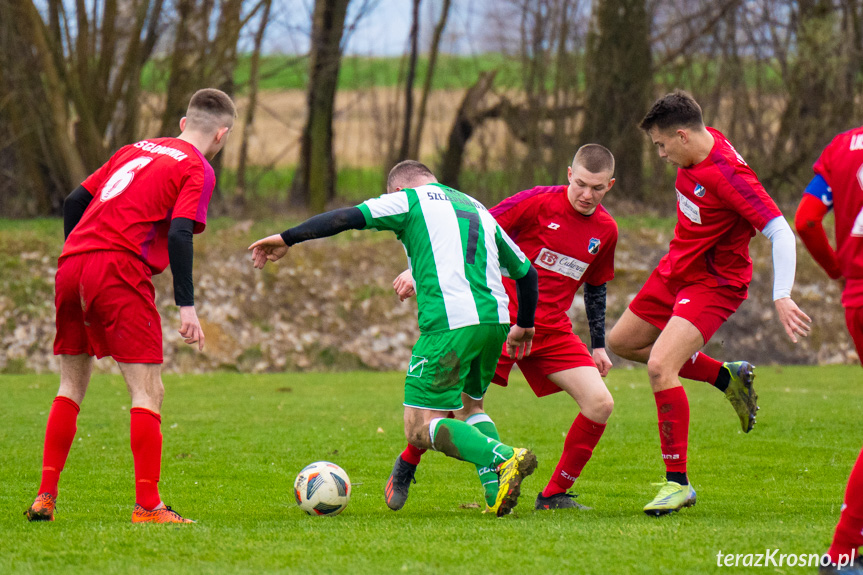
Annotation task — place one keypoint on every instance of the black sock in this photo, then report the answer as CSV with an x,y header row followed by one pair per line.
x,y
677,477
723,379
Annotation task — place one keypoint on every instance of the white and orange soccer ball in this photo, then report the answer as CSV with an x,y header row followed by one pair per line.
x,y
322,488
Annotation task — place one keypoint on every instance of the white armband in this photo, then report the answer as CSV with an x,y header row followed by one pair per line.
x,y
780,235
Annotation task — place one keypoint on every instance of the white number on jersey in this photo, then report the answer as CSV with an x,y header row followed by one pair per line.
x,y
857,230
120,180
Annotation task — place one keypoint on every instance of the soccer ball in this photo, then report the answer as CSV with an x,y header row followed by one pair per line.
x,y
322,488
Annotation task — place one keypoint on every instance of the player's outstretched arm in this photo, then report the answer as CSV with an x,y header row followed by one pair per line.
x,y
404,285
270,249
793,319
274,248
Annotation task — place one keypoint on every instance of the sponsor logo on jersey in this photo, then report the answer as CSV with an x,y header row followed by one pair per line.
x,y
561,264
856,142
688,208
699,190
593,246
683,302
549,258
553,226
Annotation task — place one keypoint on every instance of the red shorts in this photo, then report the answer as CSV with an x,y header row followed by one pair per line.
x,y
106,306
705,307
854,321
550,353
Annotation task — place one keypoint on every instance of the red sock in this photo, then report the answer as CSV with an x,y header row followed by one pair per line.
x,y
701,367
673,410
146,440
577,449
412,454
59,435
849,532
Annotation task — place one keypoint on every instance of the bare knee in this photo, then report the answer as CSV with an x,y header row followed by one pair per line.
x,y
417,433
599,409
661,374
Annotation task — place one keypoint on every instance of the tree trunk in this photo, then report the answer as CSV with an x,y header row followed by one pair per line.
x,y
404,149
469,116
416,142
619,81
314,183
249,119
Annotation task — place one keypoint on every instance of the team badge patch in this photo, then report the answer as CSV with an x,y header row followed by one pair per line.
x,y
415,367
699,190
593,246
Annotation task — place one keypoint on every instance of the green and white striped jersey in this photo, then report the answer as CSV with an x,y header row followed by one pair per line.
x,y
456,251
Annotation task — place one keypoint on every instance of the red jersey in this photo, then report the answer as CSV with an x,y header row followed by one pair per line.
x,y
137,193
720,204
841,166
566,248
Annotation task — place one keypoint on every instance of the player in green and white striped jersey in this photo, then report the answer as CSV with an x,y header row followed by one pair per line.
x,y
457,254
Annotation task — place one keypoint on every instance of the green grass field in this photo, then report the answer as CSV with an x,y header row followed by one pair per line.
x,y
233,444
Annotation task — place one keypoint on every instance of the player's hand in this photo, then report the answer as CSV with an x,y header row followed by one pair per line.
x,y
190,327
792,317
404,285
269,249
602,361
519,341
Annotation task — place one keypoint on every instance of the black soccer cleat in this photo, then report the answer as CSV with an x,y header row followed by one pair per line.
x,y
559,501
855,568
399,483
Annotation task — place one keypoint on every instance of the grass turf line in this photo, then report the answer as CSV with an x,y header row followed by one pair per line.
x,y
233,444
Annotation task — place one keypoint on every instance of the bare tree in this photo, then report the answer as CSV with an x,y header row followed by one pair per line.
x,y
416,141
315,180
619,81
251,106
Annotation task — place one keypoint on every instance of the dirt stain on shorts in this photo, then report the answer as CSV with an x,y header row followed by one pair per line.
x,y
448,370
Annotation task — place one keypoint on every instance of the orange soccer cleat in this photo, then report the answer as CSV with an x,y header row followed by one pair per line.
x,y
42,509
160,515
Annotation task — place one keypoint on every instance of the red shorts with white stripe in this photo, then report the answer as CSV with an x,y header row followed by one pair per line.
x,y
705,307
106,306
550,353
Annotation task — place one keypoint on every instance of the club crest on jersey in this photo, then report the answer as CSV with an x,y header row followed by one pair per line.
x,y
593,246
699,190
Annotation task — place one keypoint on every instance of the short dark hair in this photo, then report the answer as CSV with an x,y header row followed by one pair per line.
x,y
594,158
404,173
210,109
675,110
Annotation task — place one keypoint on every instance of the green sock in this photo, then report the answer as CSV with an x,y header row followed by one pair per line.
x,y
487,475
462,441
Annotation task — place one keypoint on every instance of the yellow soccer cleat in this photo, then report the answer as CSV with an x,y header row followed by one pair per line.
x,y
740,392
512,472
672,497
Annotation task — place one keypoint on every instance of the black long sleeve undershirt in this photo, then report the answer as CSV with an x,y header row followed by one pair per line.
x,y
594,306
325,225
74,207
181,255
527,291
